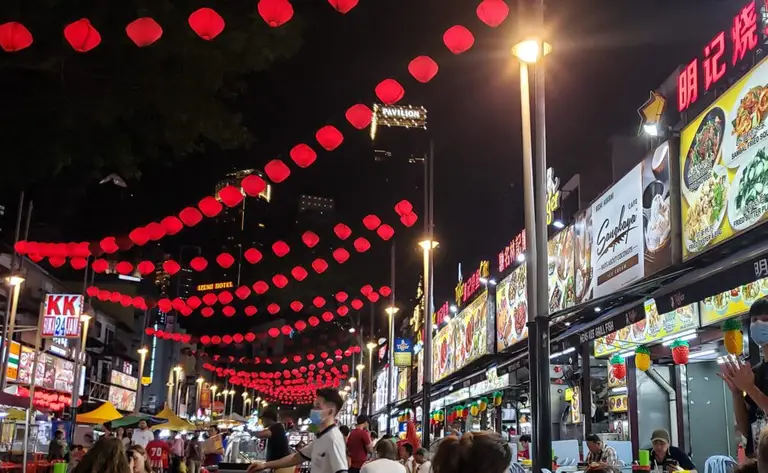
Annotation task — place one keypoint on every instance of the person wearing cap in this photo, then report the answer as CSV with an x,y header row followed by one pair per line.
x,y
666,456
749,386
420,462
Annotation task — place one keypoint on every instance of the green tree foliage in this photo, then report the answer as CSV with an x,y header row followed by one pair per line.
x,y
118,106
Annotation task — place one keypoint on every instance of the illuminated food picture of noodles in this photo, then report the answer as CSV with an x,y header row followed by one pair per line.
x,y
751,113
707,210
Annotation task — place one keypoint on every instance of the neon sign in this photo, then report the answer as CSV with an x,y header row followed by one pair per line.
x,y
466,289
440,315
553,195
216,285
742,38
509,255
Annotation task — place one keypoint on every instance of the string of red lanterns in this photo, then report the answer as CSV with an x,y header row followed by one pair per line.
x,y
323,358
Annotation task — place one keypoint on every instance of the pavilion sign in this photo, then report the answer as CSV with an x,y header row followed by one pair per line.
x,y
402,116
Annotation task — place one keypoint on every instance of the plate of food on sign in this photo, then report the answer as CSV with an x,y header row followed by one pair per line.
x,y
704,152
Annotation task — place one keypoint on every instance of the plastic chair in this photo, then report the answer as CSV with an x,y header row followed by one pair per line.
x,y
516,468
719,464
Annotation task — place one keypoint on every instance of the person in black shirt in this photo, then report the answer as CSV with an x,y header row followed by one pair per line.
x,y
666,456
750,410
277,441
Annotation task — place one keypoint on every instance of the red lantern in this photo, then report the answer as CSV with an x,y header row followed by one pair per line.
x,y
343,310
252,255
172,225
385,291
198,263
343,6
458,39
362,245
100,265
82,36
492,12
327,316
145,268
165,305
206,23
210,298
385,232
92,291
250,311
371,222
389,91
225,297
274,332
280,248
296,306
318,302
57,261
279,281
341,296
124,267
423,68
367,289
313,321
359,116
356,304
139,236
103,295
319,265
225,260
277,171
273,308
243,292
190,216
275,12
300,325
342,231
35,258
209,206
228,311
249,337
341,255
156,231
299,273
108,245
260,287
14,37
253,185
226,339
194,302
171,267
373,297
403,208
329,137
143,31
231,196
286,329
237,338
409,219
78,262
303,155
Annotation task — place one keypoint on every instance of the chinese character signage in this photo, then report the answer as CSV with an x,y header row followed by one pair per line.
x,y
465,290
725,50
441,314
62,316
511,309
625,235
724,165
512,253
652,328
403,353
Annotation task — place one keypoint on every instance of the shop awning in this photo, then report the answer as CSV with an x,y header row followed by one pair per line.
x,y
607,322
174,422
11,400
102,414
740,268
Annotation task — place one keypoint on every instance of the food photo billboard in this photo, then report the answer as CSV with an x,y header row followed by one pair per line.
x,y
625,235
724,165
511,309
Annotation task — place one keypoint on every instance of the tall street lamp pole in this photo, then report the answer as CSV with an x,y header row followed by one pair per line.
x,y
427,247
142,359
391,312
200,380
530,52
371,345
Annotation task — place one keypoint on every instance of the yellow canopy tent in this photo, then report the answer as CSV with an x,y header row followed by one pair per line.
x,y
174,422
104,413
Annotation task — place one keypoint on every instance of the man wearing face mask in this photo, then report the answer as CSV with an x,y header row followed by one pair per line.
x,y
750,409
328,453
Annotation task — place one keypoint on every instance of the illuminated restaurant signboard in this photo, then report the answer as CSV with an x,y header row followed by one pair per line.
x,y
122,399
440,315
731,303
215,285
724,165
726,49
511,309
625,235
62,316
466,289
653,328
512,253
553,195
121,379
403,353
466,338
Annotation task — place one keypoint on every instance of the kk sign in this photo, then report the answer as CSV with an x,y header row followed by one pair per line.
x,y
403,353
61,316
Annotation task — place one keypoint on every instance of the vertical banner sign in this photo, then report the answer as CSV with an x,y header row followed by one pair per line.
x,y
61,317
403,353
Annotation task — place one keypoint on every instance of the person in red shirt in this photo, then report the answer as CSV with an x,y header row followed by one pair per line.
x,y
525,451
158,452
359,444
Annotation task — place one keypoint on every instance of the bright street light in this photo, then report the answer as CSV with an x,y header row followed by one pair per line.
x,y
391,310
14,279
352,330
425,244
200,380
360,367
142,351
530,51
352,380
370,345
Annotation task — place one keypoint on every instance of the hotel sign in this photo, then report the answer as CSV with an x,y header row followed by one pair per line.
x,y
215,285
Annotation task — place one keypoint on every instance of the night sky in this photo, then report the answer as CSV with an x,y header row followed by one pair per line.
x,y
607,57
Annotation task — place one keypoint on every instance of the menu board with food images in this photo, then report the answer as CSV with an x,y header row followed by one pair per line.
x,y
122,399
64,375
443,357
654,327
464,339
123,380
625,235
511,309
727,304
560,271
618,403
724,165
613,381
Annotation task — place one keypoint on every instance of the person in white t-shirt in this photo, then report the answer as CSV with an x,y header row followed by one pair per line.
x,y
386,462
143,435
420,462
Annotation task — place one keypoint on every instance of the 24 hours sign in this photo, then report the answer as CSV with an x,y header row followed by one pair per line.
x,y
61,315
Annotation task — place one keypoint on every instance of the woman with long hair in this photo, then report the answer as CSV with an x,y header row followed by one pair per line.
x,y
139,459
483,451
106,456
123,436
